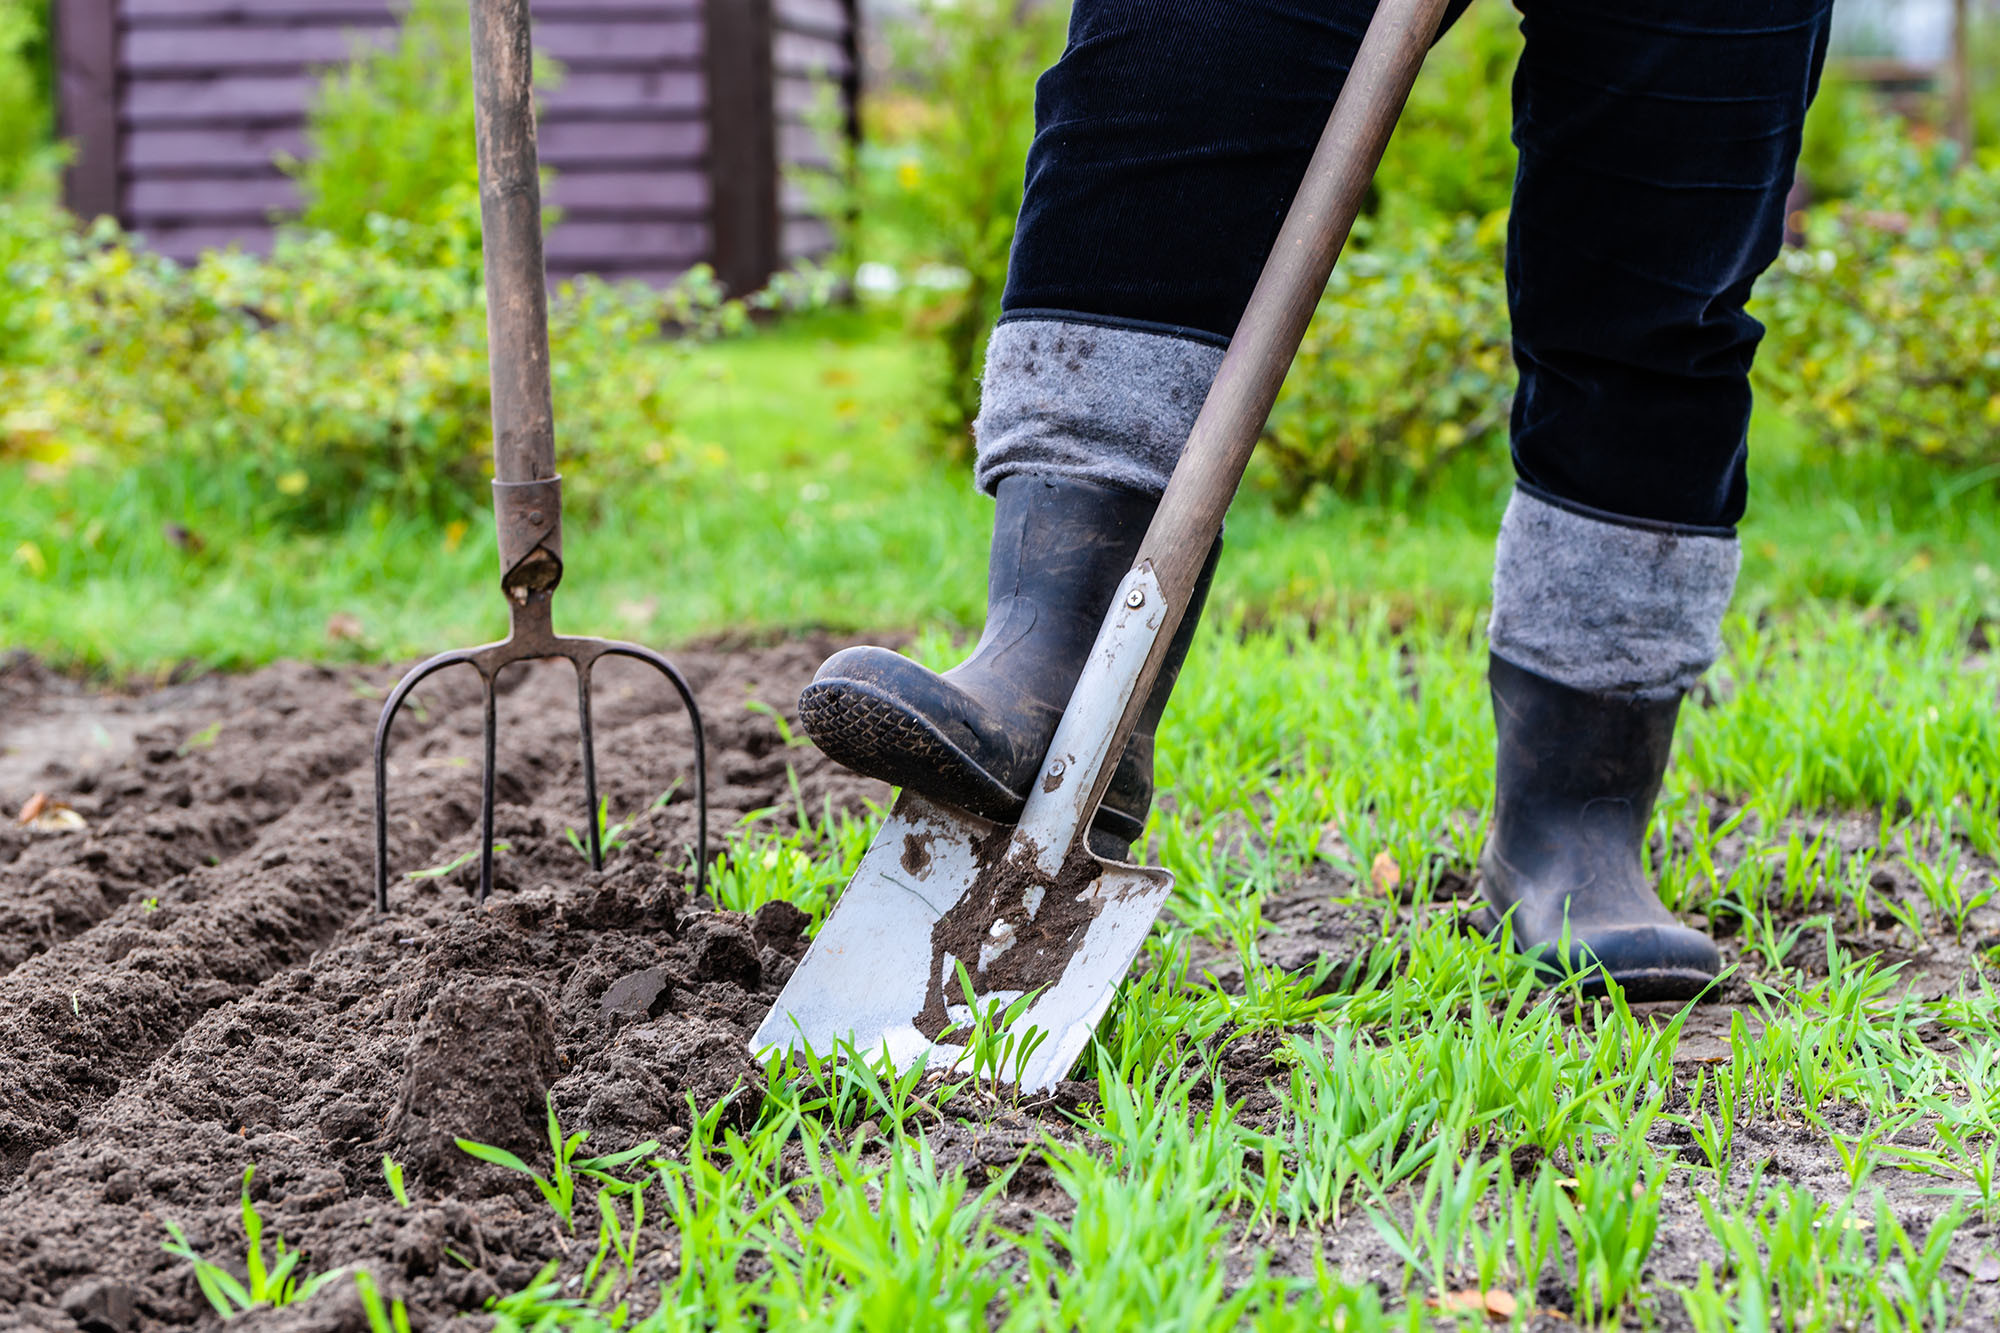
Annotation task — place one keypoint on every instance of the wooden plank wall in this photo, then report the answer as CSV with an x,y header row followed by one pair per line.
x,y
815,47
192,100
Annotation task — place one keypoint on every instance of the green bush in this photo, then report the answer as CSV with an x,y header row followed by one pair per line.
x,y
389,134
1453,154
324,380
24,89
940,175
1882,328
1406,363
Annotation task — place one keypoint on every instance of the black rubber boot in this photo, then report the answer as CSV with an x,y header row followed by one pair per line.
x,y
1577,774
975,736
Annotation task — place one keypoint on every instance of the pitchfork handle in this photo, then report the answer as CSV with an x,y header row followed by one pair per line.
x,y
510,210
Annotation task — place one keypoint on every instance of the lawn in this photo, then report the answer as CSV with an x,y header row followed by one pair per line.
x,y
1319,1101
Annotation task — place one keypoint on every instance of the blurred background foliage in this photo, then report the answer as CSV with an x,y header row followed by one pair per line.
x,y
343,374
346,371
387,137
1879,333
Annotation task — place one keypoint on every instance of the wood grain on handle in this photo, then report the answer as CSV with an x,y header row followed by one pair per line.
x,y
510,213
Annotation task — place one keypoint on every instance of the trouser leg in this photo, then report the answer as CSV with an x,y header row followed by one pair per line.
x,y
1169,141
1657,143
1658,139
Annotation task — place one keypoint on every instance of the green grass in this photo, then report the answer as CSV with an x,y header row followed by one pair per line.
x,y
1428,1100
803,493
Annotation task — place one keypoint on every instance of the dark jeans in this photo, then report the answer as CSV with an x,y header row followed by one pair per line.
x,y
1657,141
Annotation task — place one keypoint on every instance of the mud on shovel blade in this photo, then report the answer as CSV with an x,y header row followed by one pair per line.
x,y
1024,911
1029,912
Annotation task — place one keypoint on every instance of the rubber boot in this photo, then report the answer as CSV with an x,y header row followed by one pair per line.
x,y
1577,774
975,736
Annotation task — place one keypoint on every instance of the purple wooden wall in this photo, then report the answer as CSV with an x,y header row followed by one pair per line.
x,y
178,108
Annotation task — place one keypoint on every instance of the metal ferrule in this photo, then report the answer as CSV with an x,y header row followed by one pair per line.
x,y
1066,794
527,517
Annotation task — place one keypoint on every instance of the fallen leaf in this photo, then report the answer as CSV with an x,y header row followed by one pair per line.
x,y
343,628
1497,1306
1384,873
47,816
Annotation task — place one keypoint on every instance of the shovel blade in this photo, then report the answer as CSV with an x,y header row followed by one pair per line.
x,y
886,958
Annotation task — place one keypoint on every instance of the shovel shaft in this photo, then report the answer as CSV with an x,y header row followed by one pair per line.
x,y
1267,337
510,210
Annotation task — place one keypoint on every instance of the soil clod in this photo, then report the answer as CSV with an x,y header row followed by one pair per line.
x,y
479,1068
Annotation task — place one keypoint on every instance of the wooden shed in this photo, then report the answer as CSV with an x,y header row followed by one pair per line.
x,y
667,134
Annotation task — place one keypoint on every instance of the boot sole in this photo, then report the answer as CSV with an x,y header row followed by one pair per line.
x,y
863,728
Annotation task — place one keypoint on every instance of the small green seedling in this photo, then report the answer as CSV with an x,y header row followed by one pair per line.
x,y
268,1282
383,1316
610,837
392,1171
791,739
438,872
993,1047
560,1190
201,740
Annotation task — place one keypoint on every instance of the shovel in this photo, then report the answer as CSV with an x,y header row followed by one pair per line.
x,y
1040,928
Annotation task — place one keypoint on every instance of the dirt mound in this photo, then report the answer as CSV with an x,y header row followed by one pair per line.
x,y
193,983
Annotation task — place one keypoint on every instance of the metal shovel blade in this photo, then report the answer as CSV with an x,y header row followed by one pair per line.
x,y
937,890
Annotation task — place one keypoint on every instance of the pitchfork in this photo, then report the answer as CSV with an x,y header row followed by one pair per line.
x,y
527,492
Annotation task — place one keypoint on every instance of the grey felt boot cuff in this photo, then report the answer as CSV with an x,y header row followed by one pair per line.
x,y
1606,607
1090,402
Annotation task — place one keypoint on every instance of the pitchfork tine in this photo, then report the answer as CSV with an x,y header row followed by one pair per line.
x,y
589,763
389,710
672,673
492,725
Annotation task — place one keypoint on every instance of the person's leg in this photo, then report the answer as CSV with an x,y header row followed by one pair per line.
x,y
1169,140
1658,139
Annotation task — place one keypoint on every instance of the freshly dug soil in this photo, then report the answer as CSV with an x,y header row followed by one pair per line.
x,y
194,982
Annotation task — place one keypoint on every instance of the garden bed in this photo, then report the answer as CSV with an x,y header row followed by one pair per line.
x,y
192,983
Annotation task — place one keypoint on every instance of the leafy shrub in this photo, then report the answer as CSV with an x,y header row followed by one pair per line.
x,y
940,175
1453,150
321,381
1841,116
1882,326
24,88
1407,361
389,134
